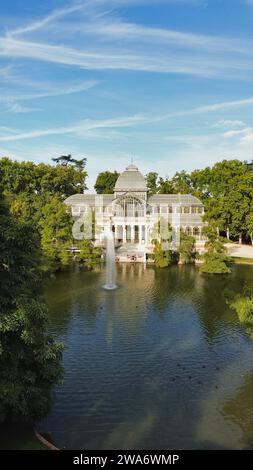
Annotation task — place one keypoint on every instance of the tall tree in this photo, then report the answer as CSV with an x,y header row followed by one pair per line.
x,y
56,235
65,160
31,178
152,185
165,186
29,357
187,248
215,258
181,182
105,182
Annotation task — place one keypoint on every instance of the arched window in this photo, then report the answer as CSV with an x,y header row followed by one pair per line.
x,y
188,230
129,207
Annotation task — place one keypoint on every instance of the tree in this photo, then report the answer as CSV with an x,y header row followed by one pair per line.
x,y
243,305
29,357
163,258
65,160
56,235
105,182
181,182
187,248
226,190
36,194
88,256
30,178
215,259
165,186
151,179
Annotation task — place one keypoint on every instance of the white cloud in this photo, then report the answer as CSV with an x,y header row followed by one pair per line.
x,y
85,5
84,128
247,140
17,108
169,51
101,59
59,91
228,123
115,28
78,128
41,23
236,133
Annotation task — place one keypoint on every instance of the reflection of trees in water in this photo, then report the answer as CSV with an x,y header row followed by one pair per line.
x,y
141,289
207,294
131,363
70,293
214,314
240,410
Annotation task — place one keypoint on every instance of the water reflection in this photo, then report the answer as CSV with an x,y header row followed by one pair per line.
x,y
239,409
159,363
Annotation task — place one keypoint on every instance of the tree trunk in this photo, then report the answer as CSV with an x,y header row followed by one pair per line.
x,y
228,233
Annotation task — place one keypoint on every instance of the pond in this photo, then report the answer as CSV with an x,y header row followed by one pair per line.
x,y
160,363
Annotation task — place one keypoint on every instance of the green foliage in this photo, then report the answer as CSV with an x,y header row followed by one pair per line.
x,y
181,182
35,194
244,308
226,190
163,258
89,256
215,263
34,179
29,357
56,234
151,179
243,305
187,248
66,160
162,231
215,259
105,182
165,186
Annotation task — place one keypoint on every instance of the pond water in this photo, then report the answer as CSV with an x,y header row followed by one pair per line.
x,y
161,363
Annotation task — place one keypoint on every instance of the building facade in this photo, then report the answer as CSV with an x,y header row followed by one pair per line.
x,y
135,217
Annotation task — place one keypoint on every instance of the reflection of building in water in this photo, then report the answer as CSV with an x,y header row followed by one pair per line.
x,y
134,215
126,307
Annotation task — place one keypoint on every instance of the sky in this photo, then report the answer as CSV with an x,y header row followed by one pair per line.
x,y
165,82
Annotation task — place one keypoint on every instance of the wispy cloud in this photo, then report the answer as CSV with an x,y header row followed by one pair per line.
x,y
228,123
163,62
17,108
59,91
224,105
77,128
210,108
55,15
80,128
170,51
85,4
115,28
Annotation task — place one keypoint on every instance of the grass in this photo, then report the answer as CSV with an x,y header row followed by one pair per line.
x,y
237,260
19,437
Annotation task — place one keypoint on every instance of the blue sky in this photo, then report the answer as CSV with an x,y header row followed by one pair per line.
x,y
168,82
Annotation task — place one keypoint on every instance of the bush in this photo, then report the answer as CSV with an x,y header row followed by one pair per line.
x,y
244,309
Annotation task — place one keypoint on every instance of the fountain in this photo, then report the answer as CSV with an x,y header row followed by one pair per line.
x,y
110,262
